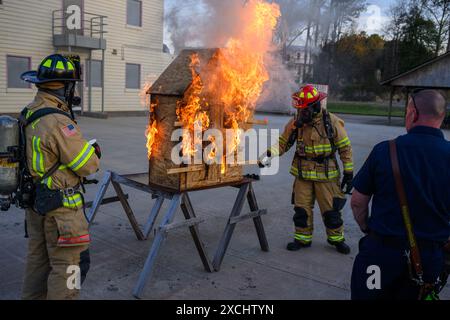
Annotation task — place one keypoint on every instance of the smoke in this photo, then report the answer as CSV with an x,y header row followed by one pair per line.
x,y
277,92
211,24
205,23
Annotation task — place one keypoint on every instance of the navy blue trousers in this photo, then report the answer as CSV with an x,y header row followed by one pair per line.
x,y
392,262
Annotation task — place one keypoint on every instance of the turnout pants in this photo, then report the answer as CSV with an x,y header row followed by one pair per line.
x,y
58,255
331,201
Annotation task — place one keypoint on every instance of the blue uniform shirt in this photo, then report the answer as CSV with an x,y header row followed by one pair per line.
x,y
424,157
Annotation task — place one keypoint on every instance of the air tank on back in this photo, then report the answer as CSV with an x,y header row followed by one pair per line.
x,y
9,170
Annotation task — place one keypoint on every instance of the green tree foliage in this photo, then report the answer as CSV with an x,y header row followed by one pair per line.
x,y
354,74
354,64
414,38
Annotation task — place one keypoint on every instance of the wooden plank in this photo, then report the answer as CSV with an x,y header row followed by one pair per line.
x,y
161,160
247,216
251,198
185,169
128,211
197,179
89,204
153,215
156,246
246,163
99,197
138,177
152,189
258,122
187,223
229,229
188,211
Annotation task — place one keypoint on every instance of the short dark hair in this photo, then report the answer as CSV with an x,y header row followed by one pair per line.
x,y
430,103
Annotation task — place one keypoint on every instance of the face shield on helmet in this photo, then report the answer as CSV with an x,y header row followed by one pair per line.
x,y
307,114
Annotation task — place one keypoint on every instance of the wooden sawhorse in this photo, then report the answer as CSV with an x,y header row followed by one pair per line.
x,y
177,199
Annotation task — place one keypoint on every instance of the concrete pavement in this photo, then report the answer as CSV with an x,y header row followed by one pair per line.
x,y
247,273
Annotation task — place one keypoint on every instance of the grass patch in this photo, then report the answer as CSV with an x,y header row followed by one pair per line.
x,y
361,108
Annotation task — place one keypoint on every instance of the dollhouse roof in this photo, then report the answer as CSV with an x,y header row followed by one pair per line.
x,y
176,79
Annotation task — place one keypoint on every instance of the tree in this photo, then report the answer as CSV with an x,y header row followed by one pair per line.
x,y
317,24
438,11
357,61
393,31
323,20
412,38
291,25
341,14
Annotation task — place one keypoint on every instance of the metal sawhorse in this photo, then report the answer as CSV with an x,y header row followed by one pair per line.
x,y
177,199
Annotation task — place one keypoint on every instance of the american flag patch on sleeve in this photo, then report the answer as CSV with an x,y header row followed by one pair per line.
x,y
69,130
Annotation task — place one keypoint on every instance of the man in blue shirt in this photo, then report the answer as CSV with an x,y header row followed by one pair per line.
x,y
380,269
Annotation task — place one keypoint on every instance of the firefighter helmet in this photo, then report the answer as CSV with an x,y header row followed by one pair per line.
x,y
54,68
307,96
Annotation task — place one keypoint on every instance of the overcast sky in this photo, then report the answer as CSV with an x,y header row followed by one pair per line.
x,y
371,21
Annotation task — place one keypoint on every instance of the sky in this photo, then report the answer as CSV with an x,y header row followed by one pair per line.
x,y
375,16
370,21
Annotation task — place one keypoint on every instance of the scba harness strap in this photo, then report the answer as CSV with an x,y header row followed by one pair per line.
x,y
45,200
330,136
26,118
329,130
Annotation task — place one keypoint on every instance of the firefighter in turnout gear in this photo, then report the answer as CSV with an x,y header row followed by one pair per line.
x,y
318,136
58,158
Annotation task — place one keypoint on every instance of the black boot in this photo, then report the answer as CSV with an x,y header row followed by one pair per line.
x,y
297,245
341,247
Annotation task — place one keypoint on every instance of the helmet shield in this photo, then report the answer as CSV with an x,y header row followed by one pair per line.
x,y
308,95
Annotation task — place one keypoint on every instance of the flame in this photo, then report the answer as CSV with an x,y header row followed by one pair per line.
x,y
223,166
189,110
151,132
212,154
143,94
235,81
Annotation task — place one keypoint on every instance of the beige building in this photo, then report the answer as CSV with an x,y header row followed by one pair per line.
x,y
295,61
124,36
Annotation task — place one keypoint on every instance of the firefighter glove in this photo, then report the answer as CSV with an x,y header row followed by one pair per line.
x,y
264,160
347,182
97,149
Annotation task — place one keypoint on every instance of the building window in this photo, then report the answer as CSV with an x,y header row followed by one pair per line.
x,y
134,13
133,76
96,74
15,67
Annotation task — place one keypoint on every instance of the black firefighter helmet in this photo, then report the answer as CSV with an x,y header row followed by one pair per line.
x,y
55,68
